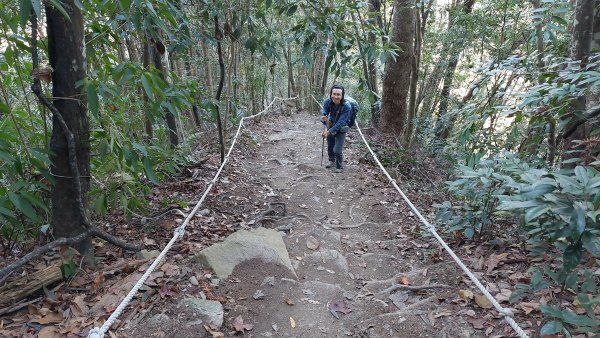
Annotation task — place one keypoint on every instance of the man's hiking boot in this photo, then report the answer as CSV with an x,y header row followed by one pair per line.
x,y
330,165
338,170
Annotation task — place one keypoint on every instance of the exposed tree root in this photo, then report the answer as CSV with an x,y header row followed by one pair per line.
x,y
408,310
305,177
413,288
391,280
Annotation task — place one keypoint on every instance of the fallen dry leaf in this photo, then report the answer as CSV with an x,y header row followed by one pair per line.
x,y
528,307
489,330
404,280
97,282
49,332
340,306
465,295
312,243
215,333
503,295
482,301
477,322
287,300
165,291
239,326
292,322
495,260
52,317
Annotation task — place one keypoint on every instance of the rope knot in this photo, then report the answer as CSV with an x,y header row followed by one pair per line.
x,y
179,231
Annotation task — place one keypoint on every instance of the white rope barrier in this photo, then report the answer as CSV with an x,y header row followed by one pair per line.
x,y
507,313
99,332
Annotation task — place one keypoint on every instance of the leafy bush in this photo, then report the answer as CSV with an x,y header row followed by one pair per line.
x,y
476,192
560,213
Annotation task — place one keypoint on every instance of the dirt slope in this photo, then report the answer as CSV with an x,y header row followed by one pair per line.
x,y
364,268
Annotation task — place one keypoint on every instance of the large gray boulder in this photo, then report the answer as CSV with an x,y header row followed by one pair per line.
x,y
261,243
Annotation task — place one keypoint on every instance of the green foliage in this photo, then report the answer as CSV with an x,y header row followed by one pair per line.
x,y
476,191
561,209
68,269
560,213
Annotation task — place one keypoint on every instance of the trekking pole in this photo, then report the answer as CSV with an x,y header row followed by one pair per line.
x,y
322,147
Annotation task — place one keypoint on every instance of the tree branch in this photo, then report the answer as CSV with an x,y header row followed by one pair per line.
x,y
590,115
92,231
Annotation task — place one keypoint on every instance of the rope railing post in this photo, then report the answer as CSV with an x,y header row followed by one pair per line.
x,y
507,313
99,332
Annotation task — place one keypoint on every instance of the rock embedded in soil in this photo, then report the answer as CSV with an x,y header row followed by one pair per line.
x,y
209,311
243,245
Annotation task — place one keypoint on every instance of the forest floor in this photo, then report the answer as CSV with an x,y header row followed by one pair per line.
x,y
363,264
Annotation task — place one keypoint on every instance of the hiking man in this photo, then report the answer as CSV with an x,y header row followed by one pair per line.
x,y
335,115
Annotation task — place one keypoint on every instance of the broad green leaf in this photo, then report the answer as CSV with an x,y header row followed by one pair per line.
x,y
581,175
571,281
68,269
37,7
577,222
44,228
536,212
58,6
4,109
147,87
538,190
24,11
509,205
591,243
140,147
23,205
6,212
572,256
34,200
92,96
551,311
551,328
469,232
125,4
251,44
574,319
292,10
6,156
150,171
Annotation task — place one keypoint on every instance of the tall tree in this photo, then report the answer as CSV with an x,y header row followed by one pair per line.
x,y
66,48
396,77
581,42
444,127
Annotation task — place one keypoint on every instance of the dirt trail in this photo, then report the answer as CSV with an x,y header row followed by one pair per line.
x,y
353,244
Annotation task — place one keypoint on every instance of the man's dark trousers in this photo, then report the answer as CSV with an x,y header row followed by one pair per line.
x,y
335,145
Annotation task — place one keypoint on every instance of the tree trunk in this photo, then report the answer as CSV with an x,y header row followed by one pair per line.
x,y
219,36
146,62
65,50
414,78
581,42
396,77
155,56
539,36
375,14
443,128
